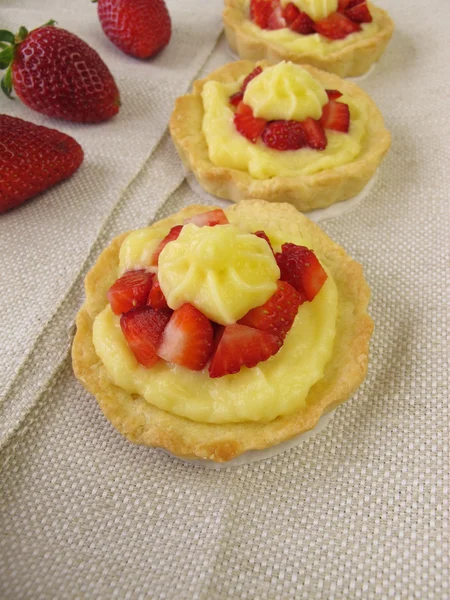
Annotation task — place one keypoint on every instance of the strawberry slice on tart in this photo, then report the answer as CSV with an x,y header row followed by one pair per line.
x,y
143,327
187,339
247,124
239,345
300,267
278,313
261,11
236,98
336,26
209,218
315,134
129,291
284,135
156,298
336,116
170,237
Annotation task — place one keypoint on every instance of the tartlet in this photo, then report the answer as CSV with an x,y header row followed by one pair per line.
x,y
305,191
144,423
351,57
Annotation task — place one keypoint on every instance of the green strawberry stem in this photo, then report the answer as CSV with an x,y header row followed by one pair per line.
x,y
8,44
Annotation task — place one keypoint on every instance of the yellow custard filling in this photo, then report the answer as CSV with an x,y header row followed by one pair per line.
x,y
285,91
228,148
278,386
220,270
316,9
315,44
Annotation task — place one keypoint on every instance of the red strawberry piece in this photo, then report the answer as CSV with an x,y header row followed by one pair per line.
x,y
55,73
256,71
359,13
129,291
261,10
303,25
249,126
290,13
284,135
278,313
345,4
156,298
336,26
336,116
143,327
211,218
342,5
239,345
298,21
276,19
238,96
140,28
315,134
188,338
263,235
32,159
333,94
170,237
300,267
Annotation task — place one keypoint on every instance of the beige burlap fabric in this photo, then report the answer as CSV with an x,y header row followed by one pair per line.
x,y
359,511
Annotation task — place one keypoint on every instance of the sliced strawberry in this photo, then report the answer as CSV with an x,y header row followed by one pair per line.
x,y
284,135
315,134
276,19
263,235
239,345
260,11
346,4
359,13
210,218
156,298
142,327
336,116
170,237
298,21
336,26
248,125
278,313
290,13
238,96
300,267
256,71
303,25
129,291
333,94
188,338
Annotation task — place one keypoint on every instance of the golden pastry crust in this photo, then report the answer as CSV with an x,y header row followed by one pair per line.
x,y
146,424
305,192
353,60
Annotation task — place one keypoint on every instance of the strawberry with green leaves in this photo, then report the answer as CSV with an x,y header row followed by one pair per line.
x,y
137,27
57,74
32,159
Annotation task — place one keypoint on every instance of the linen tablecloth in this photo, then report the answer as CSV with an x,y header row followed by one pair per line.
x,y
359,511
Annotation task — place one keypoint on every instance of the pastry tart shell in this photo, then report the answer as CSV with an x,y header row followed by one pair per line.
x,y
305,192
143,423
353,60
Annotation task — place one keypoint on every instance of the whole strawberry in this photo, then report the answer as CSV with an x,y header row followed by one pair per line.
x,y
55,73
32,159
138,27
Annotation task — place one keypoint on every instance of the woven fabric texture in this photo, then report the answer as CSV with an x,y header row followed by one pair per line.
x,y
359,511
